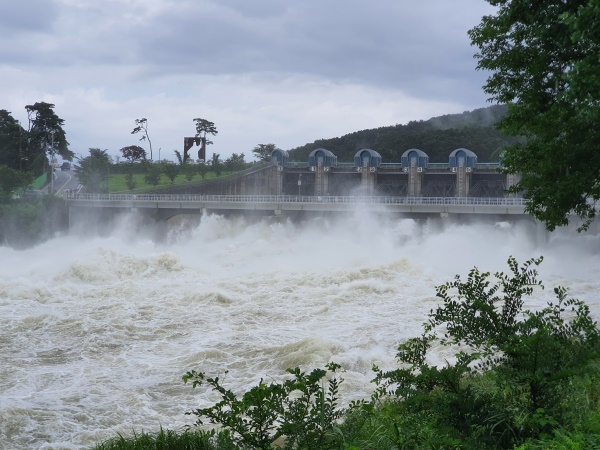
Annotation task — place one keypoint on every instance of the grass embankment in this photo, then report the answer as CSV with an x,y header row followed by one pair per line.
x,y
117,183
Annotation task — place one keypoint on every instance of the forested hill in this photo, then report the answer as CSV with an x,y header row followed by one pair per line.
x,y
437,137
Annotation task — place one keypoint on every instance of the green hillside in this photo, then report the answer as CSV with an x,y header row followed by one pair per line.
x,y
437,137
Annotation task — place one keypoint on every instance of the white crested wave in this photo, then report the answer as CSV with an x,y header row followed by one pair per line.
x,y
96,332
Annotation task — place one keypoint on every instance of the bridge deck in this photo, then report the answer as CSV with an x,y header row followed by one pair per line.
x,y
454,205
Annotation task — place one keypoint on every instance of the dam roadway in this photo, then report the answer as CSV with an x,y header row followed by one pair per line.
x,y
166,205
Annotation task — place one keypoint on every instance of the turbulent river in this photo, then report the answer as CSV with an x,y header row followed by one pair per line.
x,y
96,332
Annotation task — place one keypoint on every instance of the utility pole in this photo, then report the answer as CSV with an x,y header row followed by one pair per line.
x,y
20,150
52,162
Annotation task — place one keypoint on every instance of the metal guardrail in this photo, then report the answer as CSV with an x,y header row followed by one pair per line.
x,y
438,166
157,198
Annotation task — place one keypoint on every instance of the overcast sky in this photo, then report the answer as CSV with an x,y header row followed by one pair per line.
x,y
264,71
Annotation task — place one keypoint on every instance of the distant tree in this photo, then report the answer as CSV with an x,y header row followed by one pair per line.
x,y
170,170
179,157
130,181
146,165
45,136
93,170
12,142
242,161
215,164
202,168
229,165
133,153
203,128
152,175
235,163
263,151
142,127
189,170
239,161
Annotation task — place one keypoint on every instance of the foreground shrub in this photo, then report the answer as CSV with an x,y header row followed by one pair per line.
x,y
171,440
513,370
299,413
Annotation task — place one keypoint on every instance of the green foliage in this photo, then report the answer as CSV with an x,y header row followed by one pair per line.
x,y
202,169
170,440
46,131
20,222
300,410
189,171
10,180
529,359
391,425
263,151
216,164
130,181
543,63
12,143
25,150
133,153
170,170
179,157
93,170
563,440
204,127
235,162
153,173
29,221
438,137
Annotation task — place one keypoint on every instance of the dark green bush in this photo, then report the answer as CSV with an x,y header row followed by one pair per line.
x,y
513,370
299,412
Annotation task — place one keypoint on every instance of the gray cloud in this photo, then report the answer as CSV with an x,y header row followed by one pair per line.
x,y
27,16
417,47
383,43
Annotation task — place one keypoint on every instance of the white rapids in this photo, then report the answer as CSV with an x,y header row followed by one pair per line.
x,y
96,332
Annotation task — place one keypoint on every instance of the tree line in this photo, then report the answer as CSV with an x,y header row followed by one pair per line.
x,y
25,149
93,170
28,152
437,137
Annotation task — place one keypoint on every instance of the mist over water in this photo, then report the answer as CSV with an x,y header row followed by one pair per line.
x,y
97,331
